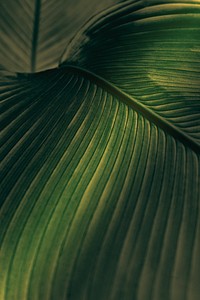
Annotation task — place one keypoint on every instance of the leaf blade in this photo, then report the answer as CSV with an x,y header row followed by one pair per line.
x,y
105,143
150,52
34,35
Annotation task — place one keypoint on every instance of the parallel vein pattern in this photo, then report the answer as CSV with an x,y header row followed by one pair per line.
x,y
35,33
151,51
60,20
97,201
16,27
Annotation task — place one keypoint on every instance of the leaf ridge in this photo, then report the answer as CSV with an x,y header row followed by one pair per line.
x,y
35,34
138,106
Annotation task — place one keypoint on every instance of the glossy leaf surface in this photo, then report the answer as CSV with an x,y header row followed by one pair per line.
x,y
100,163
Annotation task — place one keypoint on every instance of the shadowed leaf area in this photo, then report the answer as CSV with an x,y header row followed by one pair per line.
x,y
35,33
100,156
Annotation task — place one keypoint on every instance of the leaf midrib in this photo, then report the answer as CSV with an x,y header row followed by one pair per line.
x,y
35,34
137,106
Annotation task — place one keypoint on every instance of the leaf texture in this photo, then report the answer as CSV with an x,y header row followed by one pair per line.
x,y
150,50
97,201
35,33
100,165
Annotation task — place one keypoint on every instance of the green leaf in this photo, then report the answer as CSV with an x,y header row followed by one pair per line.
x,y
100,163
35,33
150,52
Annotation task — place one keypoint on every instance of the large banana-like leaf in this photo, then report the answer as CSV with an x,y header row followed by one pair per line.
x,y
35,33
100,163
150,52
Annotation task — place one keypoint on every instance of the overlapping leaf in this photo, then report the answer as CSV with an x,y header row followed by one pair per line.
x,y
35,33
152,53
100,175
